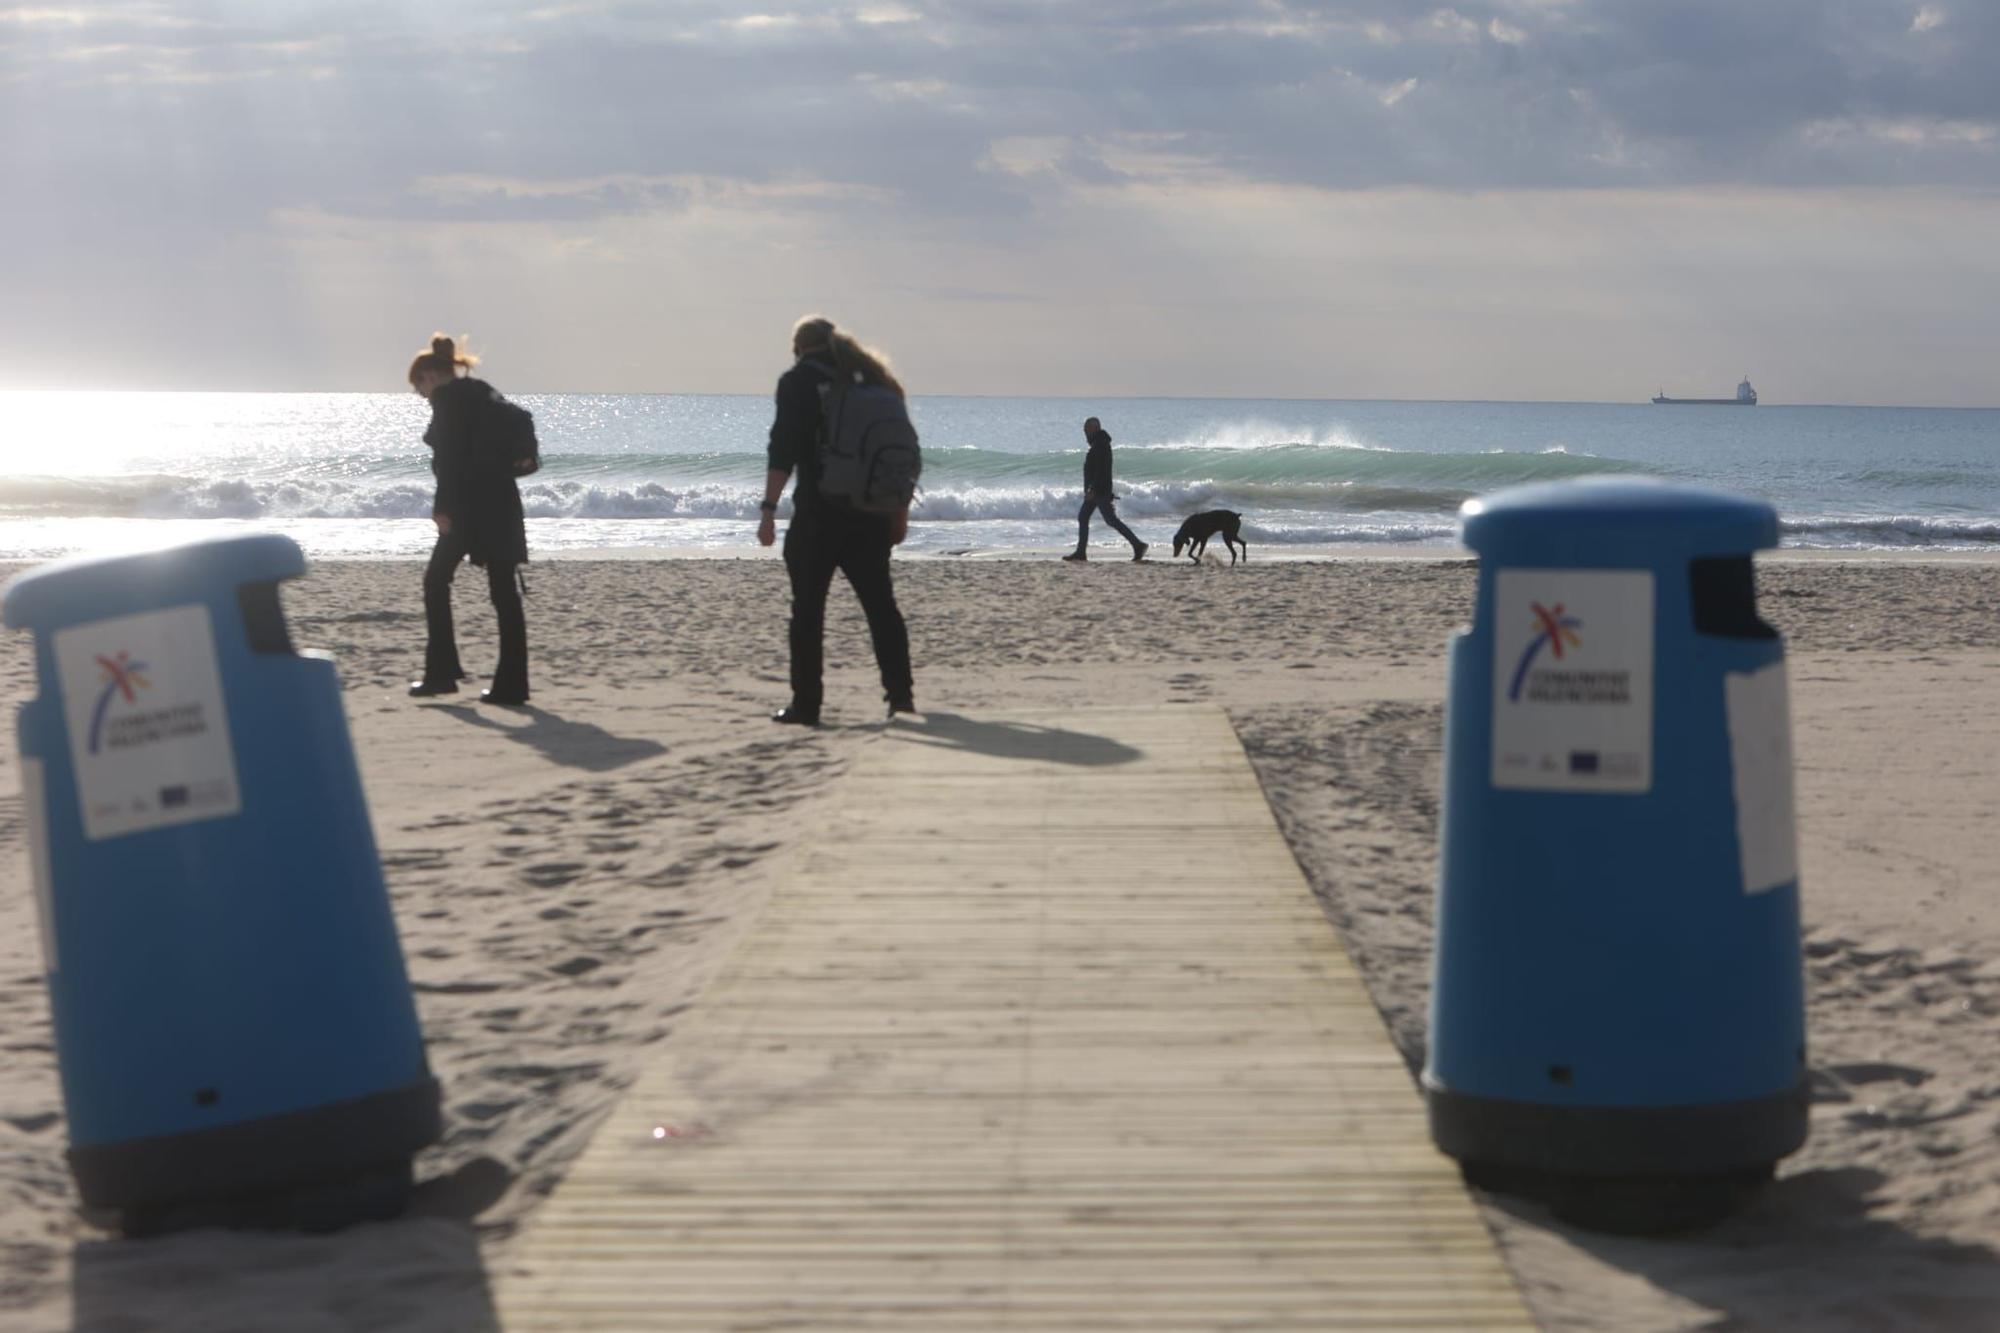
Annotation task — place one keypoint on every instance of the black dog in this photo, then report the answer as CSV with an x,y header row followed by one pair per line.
x,y
1194,533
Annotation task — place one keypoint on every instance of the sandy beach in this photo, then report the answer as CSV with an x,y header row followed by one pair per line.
x,y
568,877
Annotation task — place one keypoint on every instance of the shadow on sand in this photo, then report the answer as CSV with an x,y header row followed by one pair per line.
x,y
420,1272
582,745
1015,740
1804,1254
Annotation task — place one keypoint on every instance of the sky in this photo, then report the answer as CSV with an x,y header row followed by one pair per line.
x,y
1495,199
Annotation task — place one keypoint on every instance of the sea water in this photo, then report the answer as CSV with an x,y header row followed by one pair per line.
x,y
348,474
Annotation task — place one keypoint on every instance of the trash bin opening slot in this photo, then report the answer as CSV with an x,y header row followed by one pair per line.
x,y
1723,591
264,618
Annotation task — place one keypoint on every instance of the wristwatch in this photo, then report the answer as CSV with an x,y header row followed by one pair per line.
x,y
768,506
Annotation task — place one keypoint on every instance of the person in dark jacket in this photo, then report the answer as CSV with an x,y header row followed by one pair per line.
x,y
1097,494
477,510
826,533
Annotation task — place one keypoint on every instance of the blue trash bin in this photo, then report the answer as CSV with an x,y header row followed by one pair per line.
x,y
232,1015
1617,987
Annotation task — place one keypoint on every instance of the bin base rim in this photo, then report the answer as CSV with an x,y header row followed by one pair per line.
x,y
1708,1138
269,1153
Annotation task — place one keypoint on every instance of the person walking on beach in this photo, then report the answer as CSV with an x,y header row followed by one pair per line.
x,y
827,532
1097,494
477,509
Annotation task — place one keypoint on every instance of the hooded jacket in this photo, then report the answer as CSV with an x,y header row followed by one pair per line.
x,y
1097,465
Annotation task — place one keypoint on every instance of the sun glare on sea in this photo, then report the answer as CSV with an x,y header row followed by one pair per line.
x,y
71,432
90,433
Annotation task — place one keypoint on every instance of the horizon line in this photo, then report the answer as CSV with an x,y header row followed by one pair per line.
x,y
1066,397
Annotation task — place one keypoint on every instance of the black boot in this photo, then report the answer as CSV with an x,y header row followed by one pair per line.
x,y
510,676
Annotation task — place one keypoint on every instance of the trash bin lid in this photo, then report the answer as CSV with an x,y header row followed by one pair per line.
x,y
95,587
1625,519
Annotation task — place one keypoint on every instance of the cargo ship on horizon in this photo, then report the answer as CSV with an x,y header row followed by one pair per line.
x,y
1745,397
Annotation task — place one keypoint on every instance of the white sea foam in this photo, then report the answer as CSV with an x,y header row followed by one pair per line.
x,y
348,473
1856,531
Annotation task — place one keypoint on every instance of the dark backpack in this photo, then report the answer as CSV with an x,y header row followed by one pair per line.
x,y
868,453
512,428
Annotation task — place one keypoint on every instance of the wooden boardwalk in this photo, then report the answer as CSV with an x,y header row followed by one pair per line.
x,y
1045,1032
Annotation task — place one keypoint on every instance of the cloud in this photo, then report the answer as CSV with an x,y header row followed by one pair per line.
x,y
497,199
152,146
1400,91
147,15
208,119
911,96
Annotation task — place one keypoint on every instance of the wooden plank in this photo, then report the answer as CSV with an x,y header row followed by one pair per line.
x,y
1044,1032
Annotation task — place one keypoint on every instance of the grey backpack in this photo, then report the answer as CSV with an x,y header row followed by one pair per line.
x,y
868,454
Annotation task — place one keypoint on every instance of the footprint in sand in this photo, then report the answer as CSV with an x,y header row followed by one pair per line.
x,y
549,1079
416,858
363,618
551,874
1861,1075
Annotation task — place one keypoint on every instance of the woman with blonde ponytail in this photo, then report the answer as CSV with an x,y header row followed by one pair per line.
x,y
827,533
858,363
477,510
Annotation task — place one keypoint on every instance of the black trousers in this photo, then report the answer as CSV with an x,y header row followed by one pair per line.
x,y
441,644
821,539
1104,507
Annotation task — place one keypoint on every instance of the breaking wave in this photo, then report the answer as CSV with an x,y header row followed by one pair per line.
x,y
1898,530
959,484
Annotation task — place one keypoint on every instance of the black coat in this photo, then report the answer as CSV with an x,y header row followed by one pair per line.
x,y
1097,465
475,479
796,429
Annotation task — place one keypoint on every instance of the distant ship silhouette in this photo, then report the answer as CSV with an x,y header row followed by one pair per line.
x,y
1745,397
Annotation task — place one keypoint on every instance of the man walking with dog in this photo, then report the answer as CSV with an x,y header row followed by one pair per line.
x,y
1097,494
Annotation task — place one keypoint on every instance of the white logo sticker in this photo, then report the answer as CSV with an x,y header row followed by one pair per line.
x,y
1573,680
148,734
